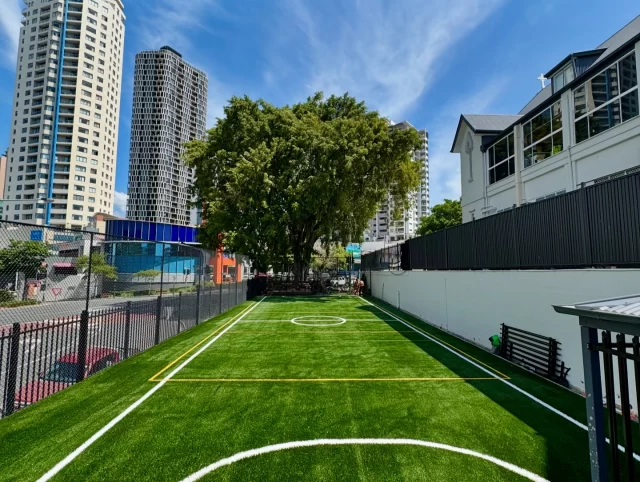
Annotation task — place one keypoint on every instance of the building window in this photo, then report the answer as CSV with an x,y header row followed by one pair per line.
x,y
543,135
609,98
563,77
501,159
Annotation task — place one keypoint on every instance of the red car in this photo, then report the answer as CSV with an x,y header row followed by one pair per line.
x,y
63,373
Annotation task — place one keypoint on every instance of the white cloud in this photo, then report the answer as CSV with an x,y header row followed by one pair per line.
x,y
384,52
174,23
10,17
120,204
444,167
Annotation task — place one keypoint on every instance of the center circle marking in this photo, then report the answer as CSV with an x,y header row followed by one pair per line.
x,y
339,320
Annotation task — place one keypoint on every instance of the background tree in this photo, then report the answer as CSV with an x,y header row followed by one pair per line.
x,y
99,268
273,180
148,274
25,257
334,256
445,215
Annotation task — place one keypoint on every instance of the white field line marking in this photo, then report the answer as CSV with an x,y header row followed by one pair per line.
x,y
525,393
361,441
328,318
69,458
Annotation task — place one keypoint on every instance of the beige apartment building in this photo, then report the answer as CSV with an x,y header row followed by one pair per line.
x,y
64,129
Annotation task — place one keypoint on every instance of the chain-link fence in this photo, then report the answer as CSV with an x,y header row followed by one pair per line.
x,y
75,302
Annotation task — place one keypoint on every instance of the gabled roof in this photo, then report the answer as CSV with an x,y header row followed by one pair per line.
x,y
484,124
621,37
591,54
538,99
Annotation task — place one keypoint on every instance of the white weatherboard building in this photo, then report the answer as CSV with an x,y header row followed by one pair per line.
x,y
383,227
583,127
169,109
66,107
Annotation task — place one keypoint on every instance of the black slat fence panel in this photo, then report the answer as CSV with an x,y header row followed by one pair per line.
x,y
435,245
494,242
460,247
614,221
417,252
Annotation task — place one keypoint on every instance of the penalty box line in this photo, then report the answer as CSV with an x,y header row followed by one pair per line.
x,y
73,455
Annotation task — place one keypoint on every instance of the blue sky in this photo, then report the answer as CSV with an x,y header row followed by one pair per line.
x,y
423,61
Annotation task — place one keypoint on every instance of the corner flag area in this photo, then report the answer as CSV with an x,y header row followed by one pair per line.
x,y
304,388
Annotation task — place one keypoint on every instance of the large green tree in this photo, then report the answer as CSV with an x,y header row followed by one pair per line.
x,y
274,180
24,256
444,215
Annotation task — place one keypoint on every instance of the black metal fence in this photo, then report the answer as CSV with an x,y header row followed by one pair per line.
x,y
74,302
595,226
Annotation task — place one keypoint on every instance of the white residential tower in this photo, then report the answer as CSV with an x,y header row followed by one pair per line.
x,y
387,229
66,106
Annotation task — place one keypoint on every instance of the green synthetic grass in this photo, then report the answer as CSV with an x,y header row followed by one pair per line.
x,y
276,397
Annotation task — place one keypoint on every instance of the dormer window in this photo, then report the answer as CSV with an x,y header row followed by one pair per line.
x,y
563,77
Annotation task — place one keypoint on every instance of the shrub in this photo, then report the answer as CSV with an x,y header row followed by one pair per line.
x,y
6,296
16,303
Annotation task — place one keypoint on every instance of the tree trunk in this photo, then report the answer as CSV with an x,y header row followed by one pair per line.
x,y
302,260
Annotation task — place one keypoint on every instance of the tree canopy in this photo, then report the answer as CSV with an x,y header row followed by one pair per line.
x,y
99,265
445,215
274,180
24,256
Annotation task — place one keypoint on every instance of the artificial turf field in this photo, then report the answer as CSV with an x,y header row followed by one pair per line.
x,y
372,393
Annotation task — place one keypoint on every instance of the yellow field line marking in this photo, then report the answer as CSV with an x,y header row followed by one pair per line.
x,y
152,379
450,346
322,380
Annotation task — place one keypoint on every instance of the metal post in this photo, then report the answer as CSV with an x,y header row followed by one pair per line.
x,y
179,309
82,345
158,316
162,270
626,407
10,392
198,304
127,330
221,262
236,284
86,306
595,419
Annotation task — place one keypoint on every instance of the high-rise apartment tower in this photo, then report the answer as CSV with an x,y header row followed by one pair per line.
x,y
384,227
169,109
66,105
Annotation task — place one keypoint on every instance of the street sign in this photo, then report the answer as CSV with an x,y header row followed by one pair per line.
x,y
36,235
354,249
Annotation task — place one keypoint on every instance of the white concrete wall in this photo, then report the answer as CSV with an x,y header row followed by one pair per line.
x,y
473,304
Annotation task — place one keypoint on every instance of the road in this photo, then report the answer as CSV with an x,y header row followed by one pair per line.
x,y
70,308
60,309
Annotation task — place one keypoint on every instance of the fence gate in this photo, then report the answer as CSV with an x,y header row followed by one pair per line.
x,y
610,332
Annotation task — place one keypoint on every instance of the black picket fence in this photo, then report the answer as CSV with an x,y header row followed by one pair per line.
x,y
42,358
595,226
